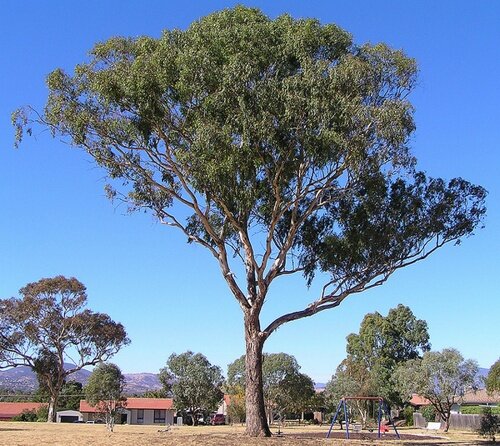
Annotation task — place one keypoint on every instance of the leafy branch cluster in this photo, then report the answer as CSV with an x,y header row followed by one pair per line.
x,y
286,144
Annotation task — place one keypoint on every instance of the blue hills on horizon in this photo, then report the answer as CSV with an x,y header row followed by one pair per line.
x,y
23,379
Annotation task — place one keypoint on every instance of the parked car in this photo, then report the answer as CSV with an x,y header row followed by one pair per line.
x,y
98,421
218,419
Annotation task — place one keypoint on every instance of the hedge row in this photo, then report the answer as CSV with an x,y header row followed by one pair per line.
x,y
472,410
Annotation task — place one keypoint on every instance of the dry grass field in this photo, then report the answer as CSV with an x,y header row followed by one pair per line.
x,y
17,434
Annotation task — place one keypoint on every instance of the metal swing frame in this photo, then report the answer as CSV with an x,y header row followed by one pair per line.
x,y
382,406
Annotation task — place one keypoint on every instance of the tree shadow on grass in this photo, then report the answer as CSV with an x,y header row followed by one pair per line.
x,y
13,429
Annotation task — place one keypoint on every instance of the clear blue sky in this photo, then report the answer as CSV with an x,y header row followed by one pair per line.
x,y
55,218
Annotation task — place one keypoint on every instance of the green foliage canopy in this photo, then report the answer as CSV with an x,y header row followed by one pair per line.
x,y
397,337
194,382
278,127
285,388
104,391
70,396
492,381
441,377
382,343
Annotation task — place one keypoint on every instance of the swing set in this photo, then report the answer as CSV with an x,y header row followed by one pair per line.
x,y
382,408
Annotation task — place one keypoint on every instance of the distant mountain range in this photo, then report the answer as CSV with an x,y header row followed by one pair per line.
x,y
23,379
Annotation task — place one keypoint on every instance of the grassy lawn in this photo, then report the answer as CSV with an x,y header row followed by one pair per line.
x,y
17,434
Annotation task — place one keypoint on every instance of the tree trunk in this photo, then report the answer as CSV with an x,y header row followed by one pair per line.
x,y
110,421
51,417
447,423
256,421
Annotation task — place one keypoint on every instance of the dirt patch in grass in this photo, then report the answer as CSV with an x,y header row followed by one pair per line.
x,y
367,436
30,434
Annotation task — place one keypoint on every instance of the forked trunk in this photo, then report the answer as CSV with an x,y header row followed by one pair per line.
x,y
256,421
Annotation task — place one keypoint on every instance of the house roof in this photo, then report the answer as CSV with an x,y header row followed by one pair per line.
x,y
136,403
474,397
68,413
9,410
417,400
481,397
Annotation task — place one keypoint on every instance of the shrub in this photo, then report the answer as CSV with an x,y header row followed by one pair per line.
x,y
236,409
490,424
408,414
429,413
26,415
473,410
42,414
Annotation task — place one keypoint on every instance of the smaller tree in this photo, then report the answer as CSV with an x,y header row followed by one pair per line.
x,y
285,388
382,343
70,396
492,381
352,378
50,330
293,394
236,409
429,413
194,382
104,391
490,424
157,393
441,377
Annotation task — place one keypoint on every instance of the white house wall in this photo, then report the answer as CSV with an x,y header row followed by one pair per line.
x,y
149,417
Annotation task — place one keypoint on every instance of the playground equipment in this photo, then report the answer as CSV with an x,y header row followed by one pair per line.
x,y
382,407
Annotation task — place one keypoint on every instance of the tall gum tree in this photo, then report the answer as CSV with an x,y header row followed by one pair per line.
x,y
285,142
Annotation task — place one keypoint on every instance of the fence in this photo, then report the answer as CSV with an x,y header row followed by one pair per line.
x,y
458,421
461,421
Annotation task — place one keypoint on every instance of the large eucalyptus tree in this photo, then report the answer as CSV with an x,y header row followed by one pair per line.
x,y
287,144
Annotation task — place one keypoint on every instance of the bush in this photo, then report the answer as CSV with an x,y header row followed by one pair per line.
x,y
490,424
236,409
429,413
408,415
42,413
26,415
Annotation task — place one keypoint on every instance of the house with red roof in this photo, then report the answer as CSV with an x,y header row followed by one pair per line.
x,y
11,410
137,411
418,401
481,397
471,398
